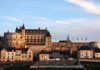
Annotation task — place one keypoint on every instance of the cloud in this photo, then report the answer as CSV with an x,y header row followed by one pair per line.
x,y
12,19
78,23
49,21
87,5
84,24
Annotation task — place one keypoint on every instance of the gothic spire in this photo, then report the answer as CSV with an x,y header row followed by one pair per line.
x,y
68,39
16,29
23,27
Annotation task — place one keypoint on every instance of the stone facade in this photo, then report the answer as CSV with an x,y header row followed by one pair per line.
x,y
71,45
87,52
12,54
39,39
36,39
44,57
97,53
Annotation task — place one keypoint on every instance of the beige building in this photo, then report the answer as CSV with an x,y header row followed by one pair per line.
x,y
12,54
97,53
35,39
44,57
68,45
85,52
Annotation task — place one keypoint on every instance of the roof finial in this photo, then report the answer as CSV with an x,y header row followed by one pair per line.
x,y
39,28
23,27
68,39
46,28
8,31
86,38
16,29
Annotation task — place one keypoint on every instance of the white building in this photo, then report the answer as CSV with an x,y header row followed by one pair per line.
x,y
12,54
97,52
85,52
44,56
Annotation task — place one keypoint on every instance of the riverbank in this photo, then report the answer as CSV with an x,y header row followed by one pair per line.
x,y
49,68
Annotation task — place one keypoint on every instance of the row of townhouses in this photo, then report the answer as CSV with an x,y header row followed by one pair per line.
x,y
84,52
12,54
87,52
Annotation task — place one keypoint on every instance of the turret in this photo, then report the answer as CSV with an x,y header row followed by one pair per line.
x,y
16,29
68,39
23,27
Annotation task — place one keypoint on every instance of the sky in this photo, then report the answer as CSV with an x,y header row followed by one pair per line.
x,y
80,19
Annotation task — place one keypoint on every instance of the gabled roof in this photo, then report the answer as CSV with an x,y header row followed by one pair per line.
x,y
0,37
54,51
44,52
67,40
23,50
96,49
85,48
1,48
9,48
34,31
38,31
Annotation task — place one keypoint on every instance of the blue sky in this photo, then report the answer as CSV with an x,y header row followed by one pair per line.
x,y
78,18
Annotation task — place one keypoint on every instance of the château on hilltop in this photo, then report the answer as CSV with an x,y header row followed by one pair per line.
x,y
39,39
37,45
28,38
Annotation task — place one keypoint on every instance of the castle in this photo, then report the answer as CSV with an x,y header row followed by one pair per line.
x,y
36,39
39,39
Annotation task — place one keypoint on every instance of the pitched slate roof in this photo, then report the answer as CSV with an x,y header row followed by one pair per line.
x,y
85,48
96,49
34,31
9,48
0,37
38,31
23,50
44,52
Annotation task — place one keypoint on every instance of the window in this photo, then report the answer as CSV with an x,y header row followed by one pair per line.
x,y
27,37
29,52
21,37
31,41
3,57
96,55
48,38
31,37
22,56
12,53
16,54
42,40
29,56
25,56
42,37
12,57
34,37
8,54
34,40
16,43
8,57
37,40
82,54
